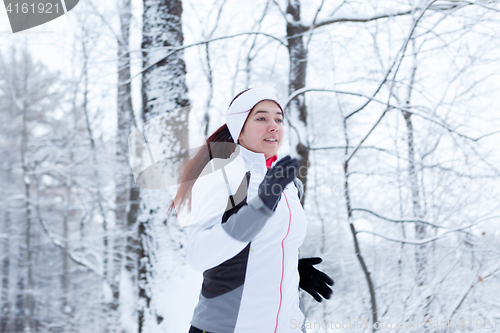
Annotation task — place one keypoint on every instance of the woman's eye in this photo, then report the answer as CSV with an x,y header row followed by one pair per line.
x,y
278,120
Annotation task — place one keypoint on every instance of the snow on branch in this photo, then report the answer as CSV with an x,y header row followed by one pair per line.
x,y
57,241
473,284
447,127
434,5
417,241
361,18
399,220
410,109
370,98
174,50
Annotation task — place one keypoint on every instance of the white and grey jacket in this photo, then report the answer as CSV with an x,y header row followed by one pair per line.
x,y
247,252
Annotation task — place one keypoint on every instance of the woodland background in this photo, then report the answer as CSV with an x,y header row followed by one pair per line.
x,y
392,106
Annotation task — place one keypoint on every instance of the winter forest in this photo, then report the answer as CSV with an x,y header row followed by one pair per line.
x,y
392,107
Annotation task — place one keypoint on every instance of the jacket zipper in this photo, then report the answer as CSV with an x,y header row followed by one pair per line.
x,y
283,259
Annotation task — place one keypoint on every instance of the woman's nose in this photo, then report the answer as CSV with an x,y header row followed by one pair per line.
x,y
273,127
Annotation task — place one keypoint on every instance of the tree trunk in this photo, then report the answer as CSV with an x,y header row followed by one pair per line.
x,y
131,250
164,91
5,302
20,301
125,119
95,166
357,248
26,180
66,308
297,80
420,228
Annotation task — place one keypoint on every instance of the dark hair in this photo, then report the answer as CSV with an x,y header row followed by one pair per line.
x,y
192,169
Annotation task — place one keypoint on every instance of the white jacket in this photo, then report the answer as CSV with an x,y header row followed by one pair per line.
x,y
248,254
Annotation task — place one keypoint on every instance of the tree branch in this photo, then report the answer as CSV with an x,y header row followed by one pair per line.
x,y
57,242
180,48
417,241
470,288
360,18
400,220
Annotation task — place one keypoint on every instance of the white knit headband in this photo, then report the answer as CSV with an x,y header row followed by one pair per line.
x,y
241,106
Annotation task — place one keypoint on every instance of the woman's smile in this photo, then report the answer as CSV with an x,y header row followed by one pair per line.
x,y
273,141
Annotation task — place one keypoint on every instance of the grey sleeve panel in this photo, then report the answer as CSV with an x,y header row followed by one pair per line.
x,y
300,187
245,224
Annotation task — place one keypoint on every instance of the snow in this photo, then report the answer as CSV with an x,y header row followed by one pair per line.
x,y
456,89
128,303
107,292
183,291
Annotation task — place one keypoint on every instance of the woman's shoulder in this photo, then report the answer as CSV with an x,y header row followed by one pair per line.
x,y
212,188
218,174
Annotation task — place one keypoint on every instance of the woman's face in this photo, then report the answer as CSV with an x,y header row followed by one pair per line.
x,y
264,122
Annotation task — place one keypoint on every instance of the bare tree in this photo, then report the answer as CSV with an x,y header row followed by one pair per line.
x,y
164,91
5,299
27,91
124,177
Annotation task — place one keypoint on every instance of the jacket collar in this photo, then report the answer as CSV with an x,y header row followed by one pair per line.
x,y
271,160
253,161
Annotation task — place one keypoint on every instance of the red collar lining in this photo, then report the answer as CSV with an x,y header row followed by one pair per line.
x,y
270,160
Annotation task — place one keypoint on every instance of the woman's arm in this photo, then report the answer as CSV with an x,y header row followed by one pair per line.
x,y
212,242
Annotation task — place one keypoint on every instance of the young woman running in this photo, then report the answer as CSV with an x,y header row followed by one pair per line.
x,y
247,224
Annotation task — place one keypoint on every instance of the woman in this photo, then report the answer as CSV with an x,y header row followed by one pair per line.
x,y
248,224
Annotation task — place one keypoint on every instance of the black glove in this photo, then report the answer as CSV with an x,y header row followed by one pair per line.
x,y
314,281
276,179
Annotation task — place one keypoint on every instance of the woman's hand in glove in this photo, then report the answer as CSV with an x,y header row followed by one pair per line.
x,y
276,179
314,281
